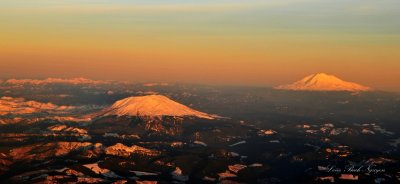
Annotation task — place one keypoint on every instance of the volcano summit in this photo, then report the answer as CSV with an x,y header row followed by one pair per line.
x,y
152,105
323,82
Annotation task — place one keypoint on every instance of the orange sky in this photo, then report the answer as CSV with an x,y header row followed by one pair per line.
x,y
251,43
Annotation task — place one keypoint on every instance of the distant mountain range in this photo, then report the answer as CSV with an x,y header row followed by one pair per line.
x,y
323,82
54,81
314,82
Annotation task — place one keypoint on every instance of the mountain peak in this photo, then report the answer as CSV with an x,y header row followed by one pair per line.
x,y
152,105
319,75
323,82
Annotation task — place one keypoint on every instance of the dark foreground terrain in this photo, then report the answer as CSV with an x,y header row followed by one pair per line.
x,y
263,136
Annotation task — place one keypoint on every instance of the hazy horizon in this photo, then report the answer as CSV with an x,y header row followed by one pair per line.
x,y
272,84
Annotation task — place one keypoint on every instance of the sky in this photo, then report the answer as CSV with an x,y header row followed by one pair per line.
x,y
235,42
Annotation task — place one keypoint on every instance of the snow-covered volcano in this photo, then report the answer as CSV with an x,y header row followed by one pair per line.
x,y
323,82
152,105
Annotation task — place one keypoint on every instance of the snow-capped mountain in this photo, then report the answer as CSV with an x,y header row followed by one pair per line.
x,y
323,82
152,105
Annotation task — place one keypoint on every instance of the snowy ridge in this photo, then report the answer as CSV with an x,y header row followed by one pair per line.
x,y
121,150
9,105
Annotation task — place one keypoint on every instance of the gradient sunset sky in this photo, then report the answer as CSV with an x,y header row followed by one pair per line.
x,y
243,42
